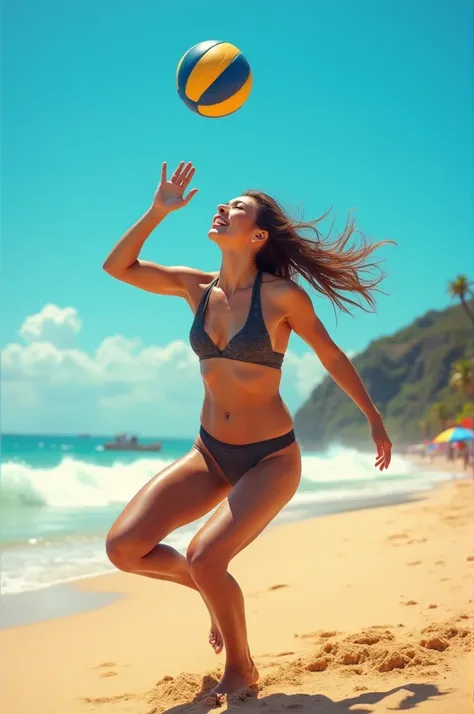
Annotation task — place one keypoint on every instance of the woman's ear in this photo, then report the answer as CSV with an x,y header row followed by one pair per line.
x,y
260,236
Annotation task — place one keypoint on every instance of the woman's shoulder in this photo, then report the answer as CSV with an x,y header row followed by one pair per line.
x,y
205,277
286,295
282,287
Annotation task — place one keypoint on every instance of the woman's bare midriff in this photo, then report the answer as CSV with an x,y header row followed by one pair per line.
x,y
242,402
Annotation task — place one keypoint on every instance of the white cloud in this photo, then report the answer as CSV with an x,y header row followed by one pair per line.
x,y
124,385
54,324
304,372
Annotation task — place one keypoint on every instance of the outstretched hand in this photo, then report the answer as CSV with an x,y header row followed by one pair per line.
x,y
383,444
169,195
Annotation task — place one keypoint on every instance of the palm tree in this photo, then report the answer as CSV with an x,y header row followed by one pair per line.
x,y
461,288
441,414
462,376
467,412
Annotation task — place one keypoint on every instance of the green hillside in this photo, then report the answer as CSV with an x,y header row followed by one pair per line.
x,y
405,374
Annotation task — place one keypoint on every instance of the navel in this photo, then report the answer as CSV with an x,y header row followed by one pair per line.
x,y
227,416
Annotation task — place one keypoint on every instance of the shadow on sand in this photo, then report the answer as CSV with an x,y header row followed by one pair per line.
x,y
306,703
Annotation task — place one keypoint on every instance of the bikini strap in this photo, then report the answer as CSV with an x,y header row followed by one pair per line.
x,y
256,301
205,299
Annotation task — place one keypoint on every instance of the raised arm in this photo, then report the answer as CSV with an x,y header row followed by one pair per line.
x,y
123,261
303,320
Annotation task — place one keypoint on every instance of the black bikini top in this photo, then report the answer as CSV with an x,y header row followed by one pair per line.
x,y
251,344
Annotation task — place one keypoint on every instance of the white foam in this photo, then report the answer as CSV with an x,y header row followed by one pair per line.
x,y
74,487
78,484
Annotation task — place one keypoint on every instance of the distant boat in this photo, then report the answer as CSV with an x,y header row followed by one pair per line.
x,y
130,443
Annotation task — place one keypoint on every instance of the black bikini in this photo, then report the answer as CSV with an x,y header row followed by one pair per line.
x,y
251,344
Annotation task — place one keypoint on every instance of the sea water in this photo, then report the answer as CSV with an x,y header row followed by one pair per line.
x,y
60,494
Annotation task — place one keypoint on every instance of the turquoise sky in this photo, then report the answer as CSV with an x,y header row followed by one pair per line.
x,y
356,104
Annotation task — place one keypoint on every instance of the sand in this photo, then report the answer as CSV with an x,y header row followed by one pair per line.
x,y
367,611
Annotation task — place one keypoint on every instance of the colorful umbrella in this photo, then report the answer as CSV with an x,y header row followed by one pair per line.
x,y
456,433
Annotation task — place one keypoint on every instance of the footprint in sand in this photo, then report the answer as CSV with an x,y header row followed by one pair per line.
x,y
278,587
323,634
415,562
398,536
432,607
284,654
106,665
417,540
409,602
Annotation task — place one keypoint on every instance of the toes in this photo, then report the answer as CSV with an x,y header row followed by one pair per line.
x,y
219,698
213,698
215,640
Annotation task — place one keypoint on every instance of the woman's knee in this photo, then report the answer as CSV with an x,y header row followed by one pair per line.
x,y
122,551
203,560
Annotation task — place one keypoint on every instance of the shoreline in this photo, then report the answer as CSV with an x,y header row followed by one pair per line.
x,y
338,609
66,597
73,596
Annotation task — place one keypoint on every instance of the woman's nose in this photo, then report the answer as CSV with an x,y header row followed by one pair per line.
x,y
223,209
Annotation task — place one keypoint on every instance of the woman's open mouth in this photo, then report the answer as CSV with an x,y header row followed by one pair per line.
x,y
218,222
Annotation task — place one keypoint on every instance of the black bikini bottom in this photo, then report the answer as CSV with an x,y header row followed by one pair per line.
x,y
235,459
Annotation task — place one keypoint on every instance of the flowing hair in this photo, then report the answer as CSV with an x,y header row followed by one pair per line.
x,y
333,266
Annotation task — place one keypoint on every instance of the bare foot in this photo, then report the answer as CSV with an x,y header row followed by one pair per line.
x,y
215,638
233,680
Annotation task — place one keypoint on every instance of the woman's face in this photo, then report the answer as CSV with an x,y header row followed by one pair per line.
x,y
234,225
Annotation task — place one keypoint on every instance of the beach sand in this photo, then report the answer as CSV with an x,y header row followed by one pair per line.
x,y
367,611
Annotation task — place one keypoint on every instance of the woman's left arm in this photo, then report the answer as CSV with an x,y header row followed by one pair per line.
x,y
303,320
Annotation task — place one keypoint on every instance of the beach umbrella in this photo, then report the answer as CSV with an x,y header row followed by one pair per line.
x,y
455,433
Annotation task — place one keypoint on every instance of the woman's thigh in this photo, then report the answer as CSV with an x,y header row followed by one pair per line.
x,y
250,506
181,493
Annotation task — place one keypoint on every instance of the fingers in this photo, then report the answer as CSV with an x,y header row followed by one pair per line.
x,y
187,176
183,174
163,172
379,448
192,193
384,455
177,172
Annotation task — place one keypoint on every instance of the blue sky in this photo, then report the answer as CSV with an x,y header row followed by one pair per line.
x,y
362,105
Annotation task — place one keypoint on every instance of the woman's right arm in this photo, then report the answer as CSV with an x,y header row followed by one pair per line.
x,y
123,264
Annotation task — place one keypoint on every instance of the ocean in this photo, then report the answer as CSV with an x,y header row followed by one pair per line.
x,y
60,494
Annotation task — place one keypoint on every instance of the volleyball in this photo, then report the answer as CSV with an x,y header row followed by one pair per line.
x,y
213,78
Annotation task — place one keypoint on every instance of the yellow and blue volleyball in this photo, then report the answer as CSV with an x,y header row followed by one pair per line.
x,y
214,78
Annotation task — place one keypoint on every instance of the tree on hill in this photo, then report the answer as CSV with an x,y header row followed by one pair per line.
x,y
440,412
462,376
461,288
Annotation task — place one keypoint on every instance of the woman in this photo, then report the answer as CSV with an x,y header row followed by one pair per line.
x,y
245,457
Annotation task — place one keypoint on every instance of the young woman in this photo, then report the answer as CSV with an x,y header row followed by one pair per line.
x,y
245,457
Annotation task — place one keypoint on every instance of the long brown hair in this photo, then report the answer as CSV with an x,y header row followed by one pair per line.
x,y
333,266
